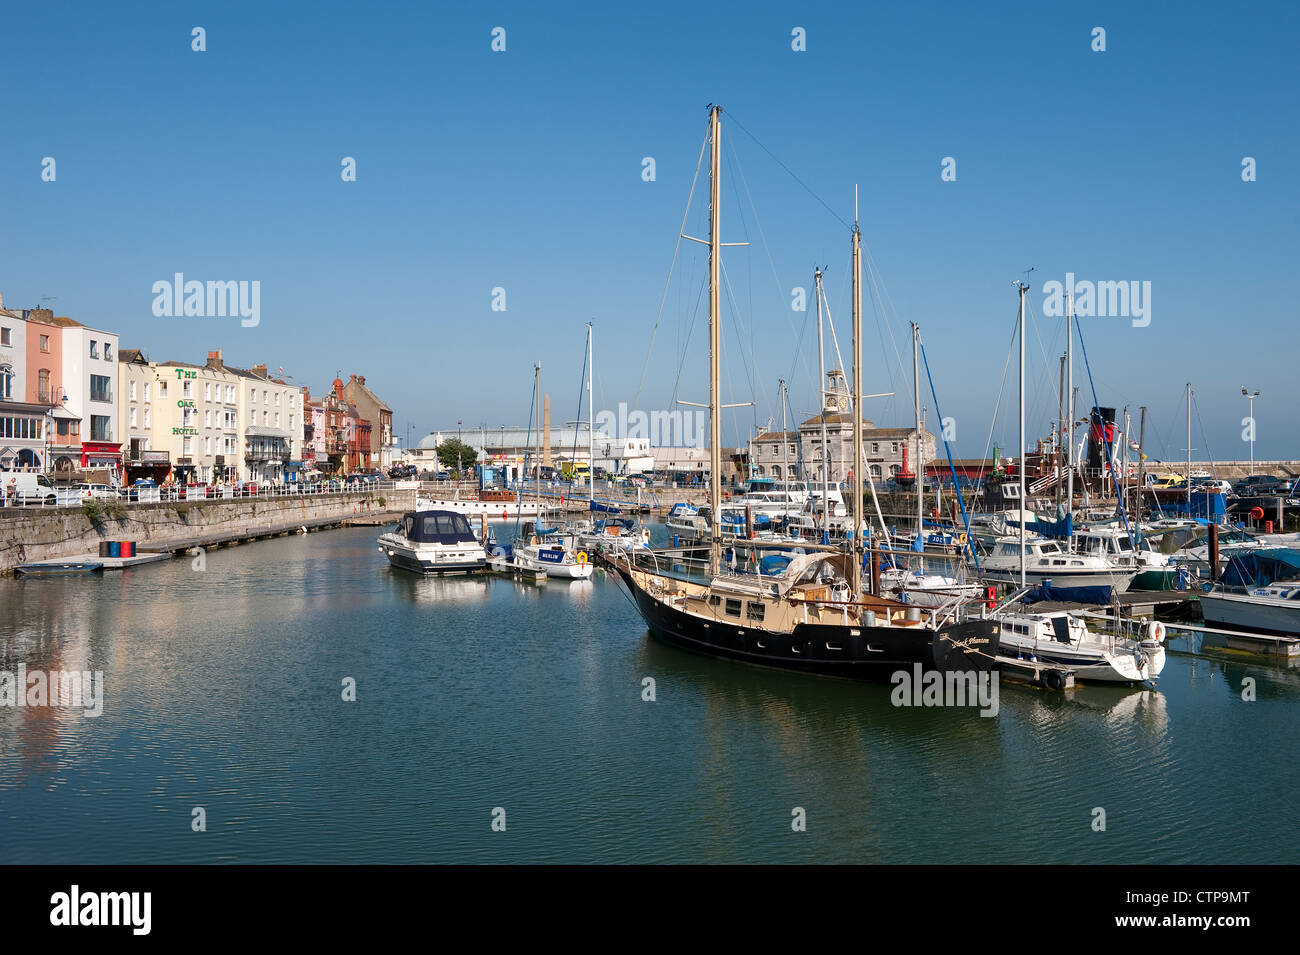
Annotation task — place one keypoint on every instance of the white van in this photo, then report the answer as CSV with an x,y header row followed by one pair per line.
x,y
26,487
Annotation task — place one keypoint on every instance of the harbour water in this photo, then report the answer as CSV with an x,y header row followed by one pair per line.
x,y
224,690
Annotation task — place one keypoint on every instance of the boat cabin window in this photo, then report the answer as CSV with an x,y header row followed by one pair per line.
x,y
733,607
754,610
714,600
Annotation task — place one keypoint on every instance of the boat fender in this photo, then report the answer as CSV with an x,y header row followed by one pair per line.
x,y
1054,679
582,557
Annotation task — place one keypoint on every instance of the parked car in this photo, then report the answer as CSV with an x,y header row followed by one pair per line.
x,y
98,492
1258,484
1211,484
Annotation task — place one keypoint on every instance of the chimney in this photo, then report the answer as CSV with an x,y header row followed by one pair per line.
x,y
259,370
361,380
546,432
214,360
40,314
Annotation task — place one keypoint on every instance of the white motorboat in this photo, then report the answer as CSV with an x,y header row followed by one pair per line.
x,y
1155,570
611,534
1274,609
433,542
1048,560
1064,639
927,589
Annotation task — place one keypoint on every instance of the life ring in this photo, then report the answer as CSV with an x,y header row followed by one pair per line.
x,y
961,539
1256,513
1156,631
581,557
1054,679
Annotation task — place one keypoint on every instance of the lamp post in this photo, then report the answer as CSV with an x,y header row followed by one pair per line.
x,y
1251,396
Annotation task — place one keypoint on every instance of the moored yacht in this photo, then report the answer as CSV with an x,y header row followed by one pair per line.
x,y
1064,639
1274,609
433,542
1048,560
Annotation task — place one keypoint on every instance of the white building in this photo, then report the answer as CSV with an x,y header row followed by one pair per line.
x,y
90,376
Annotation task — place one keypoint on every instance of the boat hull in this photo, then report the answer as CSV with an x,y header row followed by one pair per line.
x,y
853,652
1233,612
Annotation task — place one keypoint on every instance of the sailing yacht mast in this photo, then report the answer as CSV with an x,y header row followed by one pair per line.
x,y
821,390
785,454
1020,469
715,339
920,483
855,579
1069,402
537,399
1189,450
591,427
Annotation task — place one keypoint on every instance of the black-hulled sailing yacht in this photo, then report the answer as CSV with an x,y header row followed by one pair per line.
x,y
808,612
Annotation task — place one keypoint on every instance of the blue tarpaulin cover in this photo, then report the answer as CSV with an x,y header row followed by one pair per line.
x,y
1078,595
1262,567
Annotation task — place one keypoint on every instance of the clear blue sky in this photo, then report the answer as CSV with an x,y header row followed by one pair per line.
x,y
523,170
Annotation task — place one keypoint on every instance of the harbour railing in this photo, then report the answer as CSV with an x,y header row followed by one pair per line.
x,y
70,497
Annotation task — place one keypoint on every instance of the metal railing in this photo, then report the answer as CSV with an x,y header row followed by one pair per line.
x,y
69,497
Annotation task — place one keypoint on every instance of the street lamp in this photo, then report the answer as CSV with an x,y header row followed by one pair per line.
x,y
1251,398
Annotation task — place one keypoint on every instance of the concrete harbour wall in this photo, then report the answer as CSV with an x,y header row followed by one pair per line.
x,y
32,534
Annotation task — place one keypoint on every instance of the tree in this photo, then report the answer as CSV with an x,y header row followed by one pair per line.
x,y
453,452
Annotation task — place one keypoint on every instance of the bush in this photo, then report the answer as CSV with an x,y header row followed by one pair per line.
x,y
94,512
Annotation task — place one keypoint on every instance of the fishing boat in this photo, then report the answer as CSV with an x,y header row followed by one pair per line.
x,y
493,504
810,616
433,542
1063,638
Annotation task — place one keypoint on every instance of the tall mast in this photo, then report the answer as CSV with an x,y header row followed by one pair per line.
x,y
1189,450
537,383
715,339
1060,430
785,453
591,419
1023,288
1124,498
856,550
821,390
1069,401
920,467
1142,460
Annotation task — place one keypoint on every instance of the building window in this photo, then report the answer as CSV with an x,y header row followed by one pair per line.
x,y
131,389
266,397
207,419
207,445
133,424
146,391
45,343
186,447
108,351
277,419
187,388
94,348
230,394
895,447
5,334
6,382
101,388
207,391
277,399
147,417
162,390
101,428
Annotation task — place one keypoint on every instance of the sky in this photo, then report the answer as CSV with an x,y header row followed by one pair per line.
x,y
523,170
